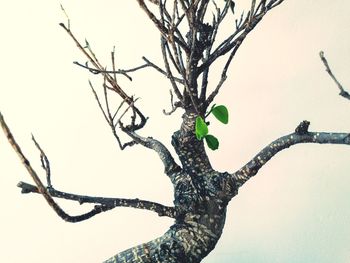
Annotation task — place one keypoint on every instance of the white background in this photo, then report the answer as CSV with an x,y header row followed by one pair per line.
x,y
295,210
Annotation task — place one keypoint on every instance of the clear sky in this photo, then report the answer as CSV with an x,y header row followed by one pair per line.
x,y
295,210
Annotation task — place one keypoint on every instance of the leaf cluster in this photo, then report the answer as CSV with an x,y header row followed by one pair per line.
x,y
201,128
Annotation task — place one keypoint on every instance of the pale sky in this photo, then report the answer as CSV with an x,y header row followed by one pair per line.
x,y
295,210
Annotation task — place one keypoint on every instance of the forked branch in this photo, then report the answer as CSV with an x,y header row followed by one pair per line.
x,y
109,202
48,192
40,186
112,117
107,77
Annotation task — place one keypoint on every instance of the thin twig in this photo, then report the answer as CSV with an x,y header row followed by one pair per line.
x,y
119,107
113,64
92,58
65,13
163,30
343,92
45,163
119,71
168,70
223,76
174,106
247,25
151,64
106,100
98,101
131,105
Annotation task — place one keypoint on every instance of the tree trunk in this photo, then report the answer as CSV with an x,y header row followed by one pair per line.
x,y
200,200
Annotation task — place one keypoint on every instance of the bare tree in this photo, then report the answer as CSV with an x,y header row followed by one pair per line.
x,y
190,47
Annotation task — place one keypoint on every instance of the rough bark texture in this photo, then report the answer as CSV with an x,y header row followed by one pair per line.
x,y
200,201
202,194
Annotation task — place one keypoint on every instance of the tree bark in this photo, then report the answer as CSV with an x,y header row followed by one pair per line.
x,y
200,202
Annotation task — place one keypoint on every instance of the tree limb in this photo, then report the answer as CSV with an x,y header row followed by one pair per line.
x,y
104,204
40,186
109,202
301,135
170,166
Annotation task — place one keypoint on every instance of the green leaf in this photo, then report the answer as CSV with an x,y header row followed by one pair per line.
x,y
212,142
221,113
201,128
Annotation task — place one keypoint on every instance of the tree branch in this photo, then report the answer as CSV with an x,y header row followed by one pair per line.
x,y
168,70
170,166
111,203
181,81
223,76
301,135
174,106
104,204
119,71
40,186
110,119
107,77
163,30
126,71
343,92
217,19
239,35
45,163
